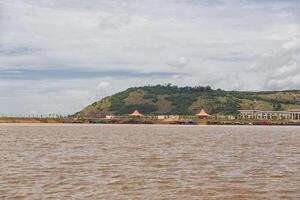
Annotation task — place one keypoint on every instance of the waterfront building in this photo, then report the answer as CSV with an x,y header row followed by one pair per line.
x,y
203,114
136,113
110,116
231,117
173,117
259,114
295,114
161,117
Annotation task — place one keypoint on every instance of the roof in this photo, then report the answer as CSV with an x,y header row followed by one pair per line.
x,y
202,113
263,111
136,113
295,110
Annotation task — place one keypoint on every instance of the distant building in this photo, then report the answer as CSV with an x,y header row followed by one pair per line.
x,y
259,114
161,117
230,117
295,114
110,116
136,113
173,117
202,114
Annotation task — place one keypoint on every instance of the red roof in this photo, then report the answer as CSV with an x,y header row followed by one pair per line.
x,y
136,113
202,113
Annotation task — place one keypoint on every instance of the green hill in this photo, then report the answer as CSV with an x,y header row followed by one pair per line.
x,y
169,99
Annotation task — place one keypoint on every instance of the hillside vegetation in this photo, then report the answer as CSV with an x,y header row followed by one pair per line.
x,y
169,99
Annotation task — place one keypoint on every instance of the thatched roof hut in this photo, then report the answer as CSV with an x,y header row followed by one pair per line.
x,y
202,114
136,113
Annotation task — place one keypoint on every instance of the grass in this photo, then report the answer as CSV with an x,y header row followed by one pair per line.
x,y
188,100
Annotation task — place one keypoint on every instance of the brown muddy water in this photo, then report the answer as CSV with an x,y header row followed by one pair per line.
x,y
149,162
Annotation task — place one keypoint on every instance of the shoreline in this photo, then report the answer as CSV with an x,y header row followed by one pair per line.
x,y
183,122
136,125
128,124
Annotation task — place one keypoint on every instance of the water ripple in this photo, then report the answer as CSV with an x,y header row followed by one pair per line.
x,y
149,162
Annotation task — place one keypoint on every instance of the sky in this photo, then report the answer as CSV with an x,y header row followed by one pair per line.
x,y
57,56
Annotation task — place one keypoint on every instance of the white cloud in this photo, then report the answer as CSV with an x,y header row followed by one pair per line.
x,y
225,43
180,63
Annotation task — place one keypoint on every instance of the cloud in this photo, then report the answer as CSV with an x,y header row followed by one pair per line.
x,y
36,74
180,63
279,69
79,45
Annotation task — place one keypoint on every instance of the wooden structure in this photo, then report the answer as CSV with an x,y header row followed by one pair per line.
x,y
202,114
136,113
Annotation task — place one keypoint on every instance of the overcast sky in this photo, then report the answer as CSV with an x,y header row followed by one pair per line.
x,y
57,56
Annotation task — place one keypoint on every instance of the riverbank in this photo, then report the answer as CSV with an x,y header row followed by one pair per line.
x,y
149,121
31,120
